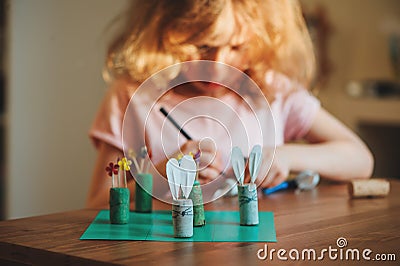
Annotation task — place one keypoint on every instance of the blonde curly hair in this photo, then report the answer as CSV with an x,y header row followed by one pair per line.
x,y
156,34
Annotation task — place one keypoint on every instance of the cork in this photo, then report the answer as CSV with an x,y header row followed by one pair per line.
x,y
182,218
248,204
119,205
375,187
196,196
143,192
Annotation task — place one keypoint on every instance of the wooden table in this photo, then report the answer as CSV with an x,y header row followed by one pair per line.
x,y
303,220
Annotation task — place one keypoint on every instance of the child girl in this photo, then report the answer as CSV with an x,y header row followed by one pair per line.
x,y
267,41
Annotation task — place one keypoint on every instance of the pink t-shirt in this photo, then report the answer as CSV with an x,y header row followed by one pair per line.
x,y
202,117
127,124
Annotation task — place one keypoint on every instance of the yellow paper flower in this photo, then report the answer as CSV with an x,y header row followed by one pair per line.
x,y
124,164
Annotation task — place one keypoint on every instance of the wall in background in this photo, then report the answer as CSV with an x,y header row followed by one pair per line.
x,y
359,49
3,34
56,53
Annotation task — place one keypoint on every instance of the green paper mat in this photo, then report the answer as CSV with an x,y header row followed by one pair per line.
x,y
221,226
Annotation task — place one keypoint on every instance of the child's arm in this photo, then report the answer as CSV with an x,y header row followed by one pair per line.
x,y
335,152
100,184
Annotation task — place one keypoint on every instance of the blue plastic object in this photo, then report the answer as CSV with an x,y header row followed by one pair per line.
x,y
281,186
305,180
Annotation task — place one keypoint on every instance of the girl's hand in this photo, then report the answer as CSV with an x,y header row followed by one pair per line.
x,y
210,165
279,170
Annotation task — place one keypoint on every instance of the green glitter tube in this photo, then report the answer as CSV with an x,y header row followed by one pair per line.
x,y
198,206
119,205
144,189
248,205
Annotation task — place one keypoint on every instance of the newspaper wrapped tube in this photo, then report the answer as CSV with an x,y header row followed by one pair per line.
x,y
182,218
248,204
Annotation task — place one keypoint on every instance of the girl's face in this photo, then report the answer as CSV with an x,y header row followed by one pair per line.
x,y
227,44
